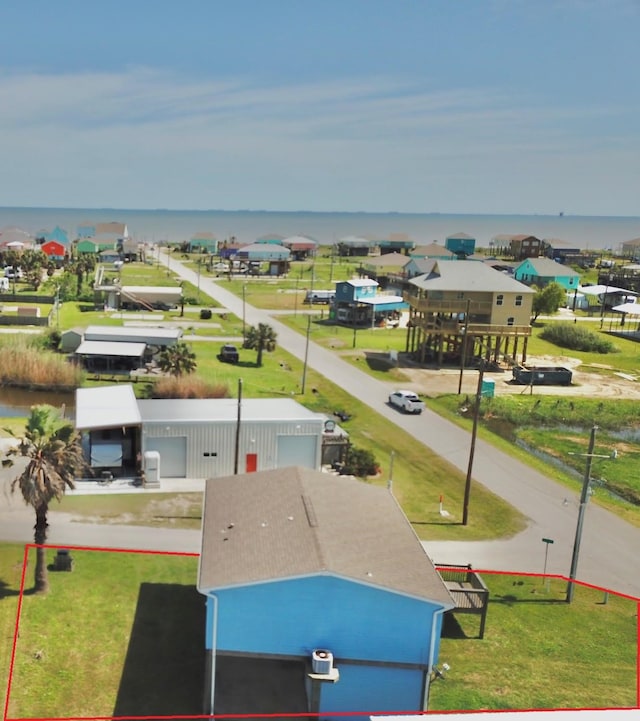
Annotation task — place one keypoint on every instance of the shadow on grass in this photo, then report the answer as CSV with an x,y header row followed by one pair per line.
x,y
7,592
163,673
511,600
451,628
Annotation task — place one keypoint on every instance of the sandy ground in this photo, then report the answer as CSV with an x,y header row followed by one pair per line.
x,y
607,385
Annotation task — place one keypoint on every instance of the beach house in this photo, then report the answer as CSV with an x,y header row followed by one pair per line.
x,y
465,309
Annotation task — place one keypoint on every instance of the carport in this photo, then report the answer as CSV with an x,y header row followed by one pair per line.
x,y
98,355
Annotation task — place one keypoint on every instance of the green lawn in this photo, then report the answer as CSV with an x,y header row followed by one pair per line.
x,y
540,652
123,634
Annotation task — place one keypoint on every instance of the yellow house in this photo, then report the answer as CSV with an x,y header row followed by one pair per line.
x,y
468,309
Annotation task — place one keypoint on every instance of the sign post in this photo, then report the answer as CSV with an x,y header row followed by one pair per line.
x,y
547,542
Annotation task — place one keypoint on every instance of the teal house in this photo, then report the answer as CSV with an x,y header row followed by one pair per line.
x,y
461,244
542,271
203,243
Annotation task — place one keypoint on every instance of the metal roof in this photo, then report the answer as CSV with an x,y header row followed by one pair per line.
x,y
295,522
141,333
106,407
111,348
604,290
192,410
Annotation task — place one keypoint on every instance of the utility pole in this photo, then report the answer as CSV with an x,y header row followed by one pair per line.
x,y
472,450
463,352
584,498
306,354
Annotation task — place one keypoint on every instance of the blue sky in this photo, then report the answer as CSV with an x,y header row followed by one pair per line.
x,y
334,105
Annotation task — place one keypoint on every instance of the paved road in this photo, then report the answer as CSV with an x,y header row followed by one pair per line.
x,y
609,553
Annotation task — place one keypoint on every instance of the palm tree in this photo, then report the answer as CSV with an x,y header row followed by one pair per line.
x,y
177,360
52,447
260,338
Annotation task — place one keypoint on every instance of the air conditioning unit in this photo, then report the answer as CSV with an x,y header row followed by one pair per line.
x,y
322,661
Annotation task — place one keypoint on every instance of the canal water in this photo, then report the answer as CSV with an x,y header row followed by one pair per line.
x,y
17,402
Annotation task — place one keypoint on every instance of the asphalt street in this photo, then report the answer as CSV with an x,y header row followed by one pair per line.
x,y
609,555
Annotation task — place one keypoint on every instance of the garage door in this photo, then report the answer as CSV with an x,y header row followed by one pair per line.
x,y
297,451
173,455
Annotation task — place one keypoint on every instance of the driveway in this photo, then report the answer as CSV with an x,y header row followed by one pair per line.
x,y
608,556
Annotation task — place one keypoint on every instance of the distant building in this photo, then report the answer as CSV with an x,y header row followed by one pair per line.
x,y
525,246
461,244
203,243
355,245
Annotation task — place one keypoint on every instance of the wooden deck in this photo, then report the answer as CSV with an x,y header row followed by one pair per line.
x,y
467,590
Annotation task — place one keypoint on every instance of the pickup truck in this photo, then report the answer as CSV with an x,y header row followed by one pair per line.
x,y
406,401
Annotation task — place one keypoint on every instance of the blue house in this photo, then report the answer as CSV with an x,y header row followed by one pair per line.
x,y
316,588
542,271
461,244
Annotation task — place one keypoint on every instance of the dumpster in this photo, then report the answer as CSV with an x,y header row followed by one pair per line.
x,y
542,375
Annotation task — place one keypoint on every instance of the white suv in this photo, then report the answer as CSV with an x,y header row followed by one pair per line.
x,y
407,401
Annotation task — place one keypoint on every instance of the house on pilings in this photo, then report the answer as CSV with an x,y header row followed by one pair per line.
x,y
467,310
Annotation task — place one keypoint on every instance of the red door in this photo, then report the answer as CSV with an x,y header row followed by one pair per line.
x,y
251,463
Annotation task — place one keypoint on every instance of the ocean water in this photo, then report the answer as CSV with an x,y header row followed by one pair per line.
x,y
153,226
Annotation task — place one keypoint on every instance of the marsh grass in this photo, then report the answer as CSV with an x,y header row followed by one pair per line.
x,y
190,386
23,363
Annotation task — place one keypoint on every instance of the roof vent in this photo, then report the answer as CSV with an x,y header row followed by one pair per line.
x,y
322,661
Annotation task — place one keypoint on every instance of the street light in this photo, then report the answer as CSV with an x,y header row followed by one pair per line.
x,y
584,498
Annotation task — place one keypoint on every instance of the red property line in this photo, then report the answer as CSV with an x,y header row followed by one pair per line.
x,y
336,714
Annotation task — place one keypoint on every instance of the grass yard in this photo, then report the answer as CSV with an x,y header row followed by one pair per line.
x,y
123,634
540,652
11,557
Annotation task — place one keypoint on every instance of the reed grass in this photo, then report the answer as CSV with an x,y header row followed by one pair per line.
x,y
22,363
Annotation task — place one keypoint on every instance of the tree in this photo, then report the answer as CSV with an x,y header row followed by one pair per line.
x,y
177,360
260,338
547,300
52,447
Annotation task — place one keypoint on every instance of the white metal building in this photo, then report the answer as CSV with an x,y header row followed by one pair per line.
x,y
199,438
196,438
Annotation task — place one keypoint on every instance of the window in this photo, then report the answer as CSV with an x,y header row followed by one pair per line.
x,y
511,320
499,299
518,300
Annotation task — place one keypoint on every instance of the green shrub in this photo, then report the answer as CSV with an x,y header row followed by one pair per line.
x,y
576,337
205,313
360,462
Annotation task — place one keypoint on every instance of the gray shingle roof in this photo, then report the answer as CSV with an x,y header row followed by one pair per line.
x,y
548,267
294,522
467,276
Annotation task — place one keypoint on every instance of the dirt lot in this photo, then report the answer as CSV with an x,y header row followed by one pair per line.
x,y
606,385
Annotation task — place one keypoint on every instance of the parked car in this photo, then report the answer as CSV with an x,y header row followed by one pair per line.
x,y
229,354
406,401
221,267
11,272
